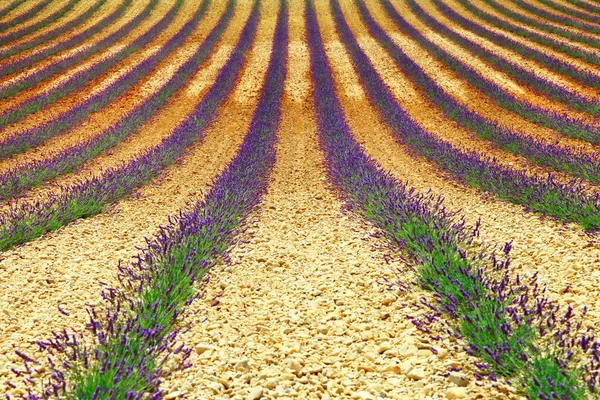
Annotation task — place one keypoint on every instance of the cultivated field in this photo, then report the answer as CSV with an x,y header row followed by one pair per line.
x,y
299,199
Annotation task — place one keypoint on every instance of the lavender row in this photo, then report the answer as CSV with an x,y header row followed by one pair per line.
x,y
545,40
31,174
567,203
559,19
62,65
32,137
11,37
578,164
521,75
54,33
142,320
27,221
586,6
575,36
580,75
570,11
503,321
32,12
10,6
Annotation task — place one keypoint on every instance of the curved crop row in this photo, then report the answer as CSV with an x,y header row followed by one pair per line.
x,y
62,65
565,68
578,164
545,40
559,19
32,12
570,11
541,25
27,221
54,33
11,6
521,75
29,138
586,6
142,318
31,174
497,316
12,36
566,203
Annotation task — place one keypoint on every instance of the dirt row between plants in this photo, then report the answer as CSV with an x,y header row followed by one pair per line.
x,y
111,113
131,12
70,266
49,9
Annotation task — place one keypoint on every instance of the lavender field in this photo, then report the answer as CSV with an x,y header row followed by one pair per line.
x,y
299,199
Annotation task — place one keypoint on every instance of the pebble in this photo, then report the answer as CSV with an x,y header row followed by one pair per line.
x,y
255,393
456,393
458,379
416,374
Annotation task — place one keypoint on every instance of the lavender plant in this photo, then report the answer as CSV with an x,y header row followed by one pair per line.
x,y
497,316
15,35
27,221
61,65
570,11
29,138
576,163
54,33
143,318
31,174
586,6
560,19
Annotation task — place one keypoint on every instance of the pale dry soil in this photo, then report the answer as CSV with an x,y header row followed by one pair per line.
x,y
48,9
300,311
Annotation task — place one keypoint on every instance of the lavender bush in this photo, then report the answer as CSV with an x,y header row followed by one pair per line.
x,y
32,12
565,202
578,164
541,25
521,75
10,6
140,326
545,40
